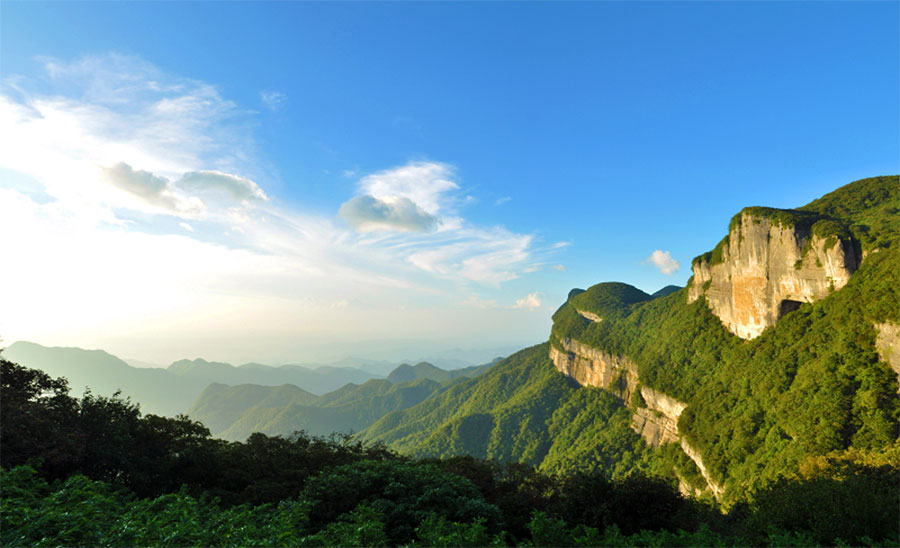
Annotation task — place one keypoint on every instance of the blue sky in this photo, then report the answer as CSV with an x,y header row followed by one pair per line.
x,y
278,180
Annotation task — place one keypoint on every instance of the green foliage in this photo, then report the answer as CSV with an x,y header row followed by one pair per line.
x,y
870,207
404,494
637,399
609,299
811,384
436,531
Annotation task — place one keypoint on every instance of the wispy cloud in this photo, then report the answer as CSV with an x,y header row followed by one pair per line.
x,y
663,261
273,100
503,200
152,182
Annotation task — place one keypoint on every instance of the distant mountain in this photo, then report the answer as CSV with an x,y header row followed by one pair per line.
x,y
459,358
318,381
235,412
668,290
172,390
158,391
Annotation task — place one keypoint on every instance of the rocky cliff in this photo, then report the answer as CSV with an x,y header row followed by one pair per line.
x,y
772,261
887,343
655,417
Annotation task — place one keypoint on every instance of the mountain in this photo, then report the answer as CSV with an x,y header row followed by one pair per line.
x,y
780,351
157,390
172,390
320,380
234,412
425,370
667,290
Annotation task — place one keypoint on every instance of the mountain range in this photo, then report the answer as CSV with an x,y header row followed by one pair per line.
x,y
781,354
173,390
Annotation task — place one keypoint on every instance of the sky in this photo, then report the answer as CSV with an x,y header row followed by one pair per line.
x,y
298,181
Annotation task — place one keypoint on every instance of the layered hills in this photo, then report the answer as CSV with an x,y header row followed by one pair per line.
x,y
235,412
780,351
172,390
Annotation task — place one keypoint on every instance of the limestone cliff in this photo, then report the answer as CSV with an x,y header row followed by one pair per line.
x,y
887,343
592,367
656,421
771,262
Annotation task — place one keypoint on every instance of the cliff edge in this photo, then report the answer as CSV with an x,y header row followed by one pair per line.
x,y
771,262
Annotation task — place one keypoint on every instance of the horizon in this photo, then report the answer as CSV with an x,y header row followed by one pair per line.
x,y
319,181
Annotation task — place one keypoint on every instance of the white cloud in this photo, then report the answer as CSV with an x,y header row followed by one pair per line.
x,y
663,261
367,213
503,200
213,182
126,155
559,267
148,187
426,184
273,100
532,301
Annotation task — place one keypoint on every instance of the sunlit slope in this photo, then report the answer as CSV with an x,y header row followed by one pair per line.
x,y
522,409
235,412
812,384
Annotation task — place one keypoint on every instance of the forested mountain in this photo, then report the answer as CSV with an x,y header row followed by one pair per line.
x,y
234,412
767,387
740,377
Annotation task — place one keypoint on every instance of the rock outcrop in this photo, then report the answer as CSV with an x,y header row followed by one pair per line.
x,y
656,422
589,316
592,367
771,262
695,456
887,343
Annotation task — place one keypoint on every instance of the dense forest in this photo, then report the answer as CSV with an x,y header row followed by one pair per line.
x,y
95,471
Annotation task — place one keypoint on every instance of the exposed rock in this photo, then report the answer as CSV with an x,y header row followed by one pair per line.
x,y
887,343
589,316
767,267
685,488
657,423
698,460
656,429
592,367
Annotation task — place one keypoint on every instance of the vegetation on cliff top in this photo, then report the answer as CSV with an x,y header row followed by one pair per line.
x,y
866,211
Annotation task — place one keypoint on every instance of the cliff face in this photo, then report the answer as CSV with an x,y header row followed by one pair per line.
x,y
657,422
768,265
887,343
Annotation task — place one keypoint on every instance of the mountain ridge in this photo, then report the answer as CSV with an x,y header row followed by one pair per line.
x,y
813,382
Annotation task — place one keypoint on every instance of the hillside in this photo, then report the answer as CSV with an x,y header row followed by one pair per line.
x,y
723,413
234,412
